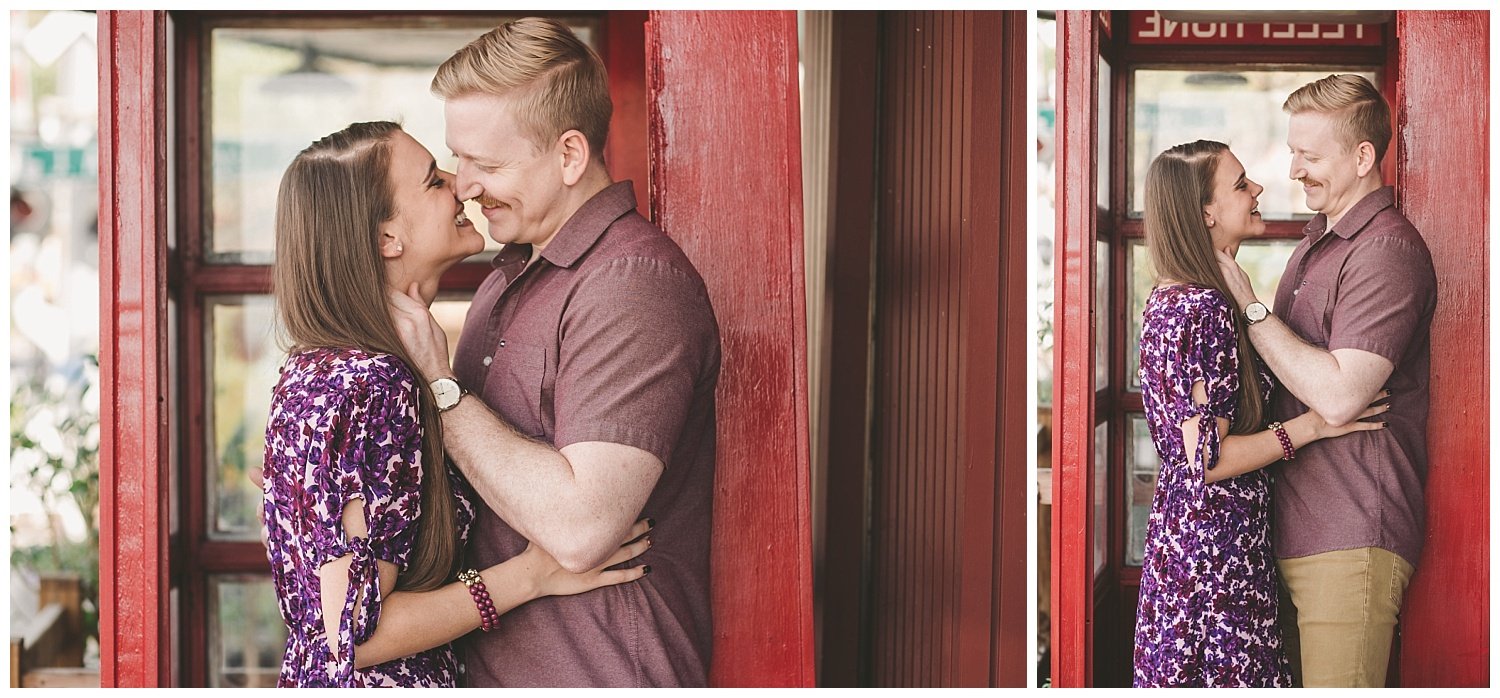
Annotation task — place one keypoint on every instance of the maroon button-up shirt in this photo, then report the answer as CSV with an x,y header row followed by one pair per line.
x,y
1367,284
607,336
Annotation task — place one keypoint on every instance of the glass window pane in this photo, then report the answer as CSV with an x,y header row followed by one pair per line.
x,y
246,634
1101,497
1106,107
1101,315
1240,107
1263,260
1141,467
1140,277
274,90
243,360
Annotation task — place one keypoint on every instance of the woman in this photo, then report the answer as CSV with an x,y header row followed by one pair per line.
x,y
1207,612
365,534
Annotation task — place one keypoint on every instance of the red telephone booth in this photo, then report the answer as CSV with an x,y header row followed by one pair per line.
x,y
1132,83
184,263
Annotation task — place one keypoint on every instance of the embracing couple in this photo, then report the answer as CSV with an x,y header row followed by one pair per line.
x,y
409,502
1270,577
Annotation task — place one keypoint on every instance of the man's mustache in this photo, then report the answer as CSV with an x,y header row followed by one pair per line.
x,y
486,201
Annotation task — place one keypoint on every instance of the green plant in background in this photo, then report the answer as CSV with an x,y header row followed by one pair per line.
x,y
54,447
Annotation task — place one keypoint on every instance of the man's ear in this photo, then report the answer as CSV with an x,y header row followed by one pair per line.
x,y
574,147
1364,155
390,245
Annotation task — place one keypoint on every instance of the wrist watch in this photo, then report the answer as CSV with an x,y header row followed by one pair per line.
x,y
446,392
1255,312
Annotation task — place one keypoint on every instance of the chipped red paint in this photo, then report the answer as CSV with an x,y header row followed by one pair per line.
x,y
134,626
1443,164
726,178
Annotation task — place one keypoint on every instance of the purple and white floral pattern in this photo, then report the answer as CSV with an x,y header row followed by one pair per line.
x,y
344,425
1207,611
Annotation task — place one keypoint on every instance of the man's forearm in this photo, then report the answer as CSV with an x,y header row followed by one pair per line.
x,y
1313,375
527,483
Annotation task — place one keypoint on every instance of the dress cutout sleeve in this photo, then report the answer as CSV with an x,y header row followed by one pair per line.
x,y
1207,353
373,453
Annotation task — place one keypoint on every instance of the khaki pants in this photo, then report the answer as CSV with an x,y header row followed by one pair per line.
x,y
1338,615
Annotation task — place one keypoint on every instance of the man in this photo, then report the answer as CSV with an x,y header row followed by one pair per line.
x,y
1352,316
595,354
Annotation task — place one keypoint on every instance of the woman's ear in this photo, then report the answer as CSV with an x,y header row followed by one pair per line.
x,y
390,246
575,153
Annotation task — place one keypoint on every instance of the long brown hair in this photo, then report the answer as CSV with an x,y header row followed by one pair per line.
x,y
329,282
1179,183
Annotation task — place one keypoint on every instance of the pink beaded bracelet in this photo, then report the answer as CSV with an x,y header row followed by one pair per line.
x,y
489,618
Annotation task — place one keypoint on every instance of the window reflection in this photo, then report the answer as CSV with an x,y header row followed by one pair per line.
x,y
1101,318
1106,144
246,634
1141,467
1101,497
1240,107
242,370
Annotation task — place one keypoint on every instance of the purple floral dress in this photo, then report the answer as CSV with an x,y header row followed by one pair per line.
x,y
1207,612
344,425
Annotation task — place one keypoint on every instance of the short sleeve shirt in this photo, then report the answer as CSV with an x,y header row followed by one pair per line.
x,y
608,335
1367,284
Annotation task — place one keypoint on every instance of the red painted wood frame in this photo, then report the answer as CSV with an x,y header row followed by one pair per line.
x,y
845,633
134,630
1009,653
726,184
1443,160
1073,346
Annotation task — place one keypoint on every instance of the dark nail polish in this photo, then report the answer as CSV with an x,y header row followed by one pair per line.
x,y
646,570
651,523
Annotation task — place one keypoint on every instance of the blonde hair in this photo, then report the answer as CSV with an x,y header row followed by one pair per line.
x,y
557,81
1363,113
329,284
1179,183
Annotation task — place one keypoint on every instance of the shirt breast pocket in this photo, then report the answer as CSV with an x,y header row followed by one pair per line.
x,y
515,386
1309,317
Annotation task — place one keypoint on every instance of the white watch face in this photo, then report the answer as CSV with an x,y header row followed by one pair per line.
x,y
1255,312
445,392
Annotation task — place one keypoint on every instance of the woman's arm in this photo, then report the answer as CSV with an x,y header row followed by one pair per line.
x,y
414,621
1244,453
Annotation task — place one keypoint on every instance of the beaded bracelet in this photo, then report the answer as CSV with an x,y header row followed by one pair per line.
x,y
489,618
1287,452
